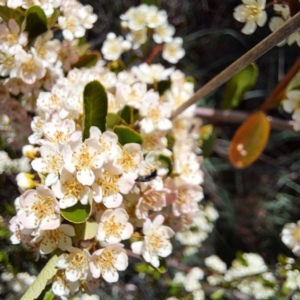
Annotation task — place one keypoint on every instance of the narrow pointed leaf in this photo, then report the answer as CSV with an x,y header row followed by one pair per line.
x,y
41,281
114,119
127,114
127,135
77,214
207,139
7,13
36,22
250,140
87,60
238,85
95,107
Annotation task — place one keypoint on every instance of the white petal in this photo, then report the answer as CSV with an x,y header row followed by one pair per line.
x,y
85,176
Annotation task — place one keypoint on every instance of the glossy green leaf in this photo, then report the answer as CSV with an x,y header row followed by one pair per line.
x,y
127,135
127,114
87,60
166,162
114,119
238,85
39,285
86,230
207,139
77,214
95,107
36,22
7,13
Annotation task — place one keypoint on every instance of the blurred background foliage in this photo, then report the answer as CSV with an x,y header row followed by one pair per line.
x,y
253,203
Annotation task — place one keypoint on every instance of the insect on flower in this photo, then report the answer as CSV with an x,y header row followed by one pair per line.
x,y
148,177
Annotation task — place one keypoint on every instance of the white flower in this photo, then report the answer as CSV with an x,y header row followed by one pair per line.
x,y
292,105
70,191
137,37
106,262
215,263
173,51
114,226
277,22
7,63
39,209
290,236
49,240
252,13
71,26
86,16
131,95
51,162
163,33
136,17
187,199
28,67
114,46
151,73
83,158
76,264
155,114
46,48
11,38
155,17
109,185
156,241
60,132
62,287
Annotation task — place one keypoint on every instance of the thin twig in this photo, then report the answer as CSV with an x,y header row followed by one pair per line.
x,y
265,45
235,116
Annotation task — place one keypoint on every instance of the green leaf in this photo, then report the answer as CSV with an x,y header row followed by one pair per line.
x,y
166,162
47,294
77,214
87,60
162,265
152,2
113,119
219,294
95,107
7,13
127,135
238,85
207,139
41,281
163,86
53,19
36,22
127,114
294,83
86,231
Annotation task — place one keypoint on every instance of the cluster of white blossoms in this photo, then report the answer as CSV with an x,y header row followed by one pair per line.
x,y
292,105
142,22
14,286
253,14
134,195
8,165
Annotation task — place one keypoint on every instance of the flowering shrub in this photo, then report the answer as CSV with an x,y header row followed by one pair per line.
x,y
116,171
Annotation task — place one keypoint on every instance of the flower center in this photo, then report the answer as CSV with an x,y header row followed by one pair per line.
x,y
109,183
106,260
126,161
43,206
155,242
83,158
113,227
28,67
73,187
